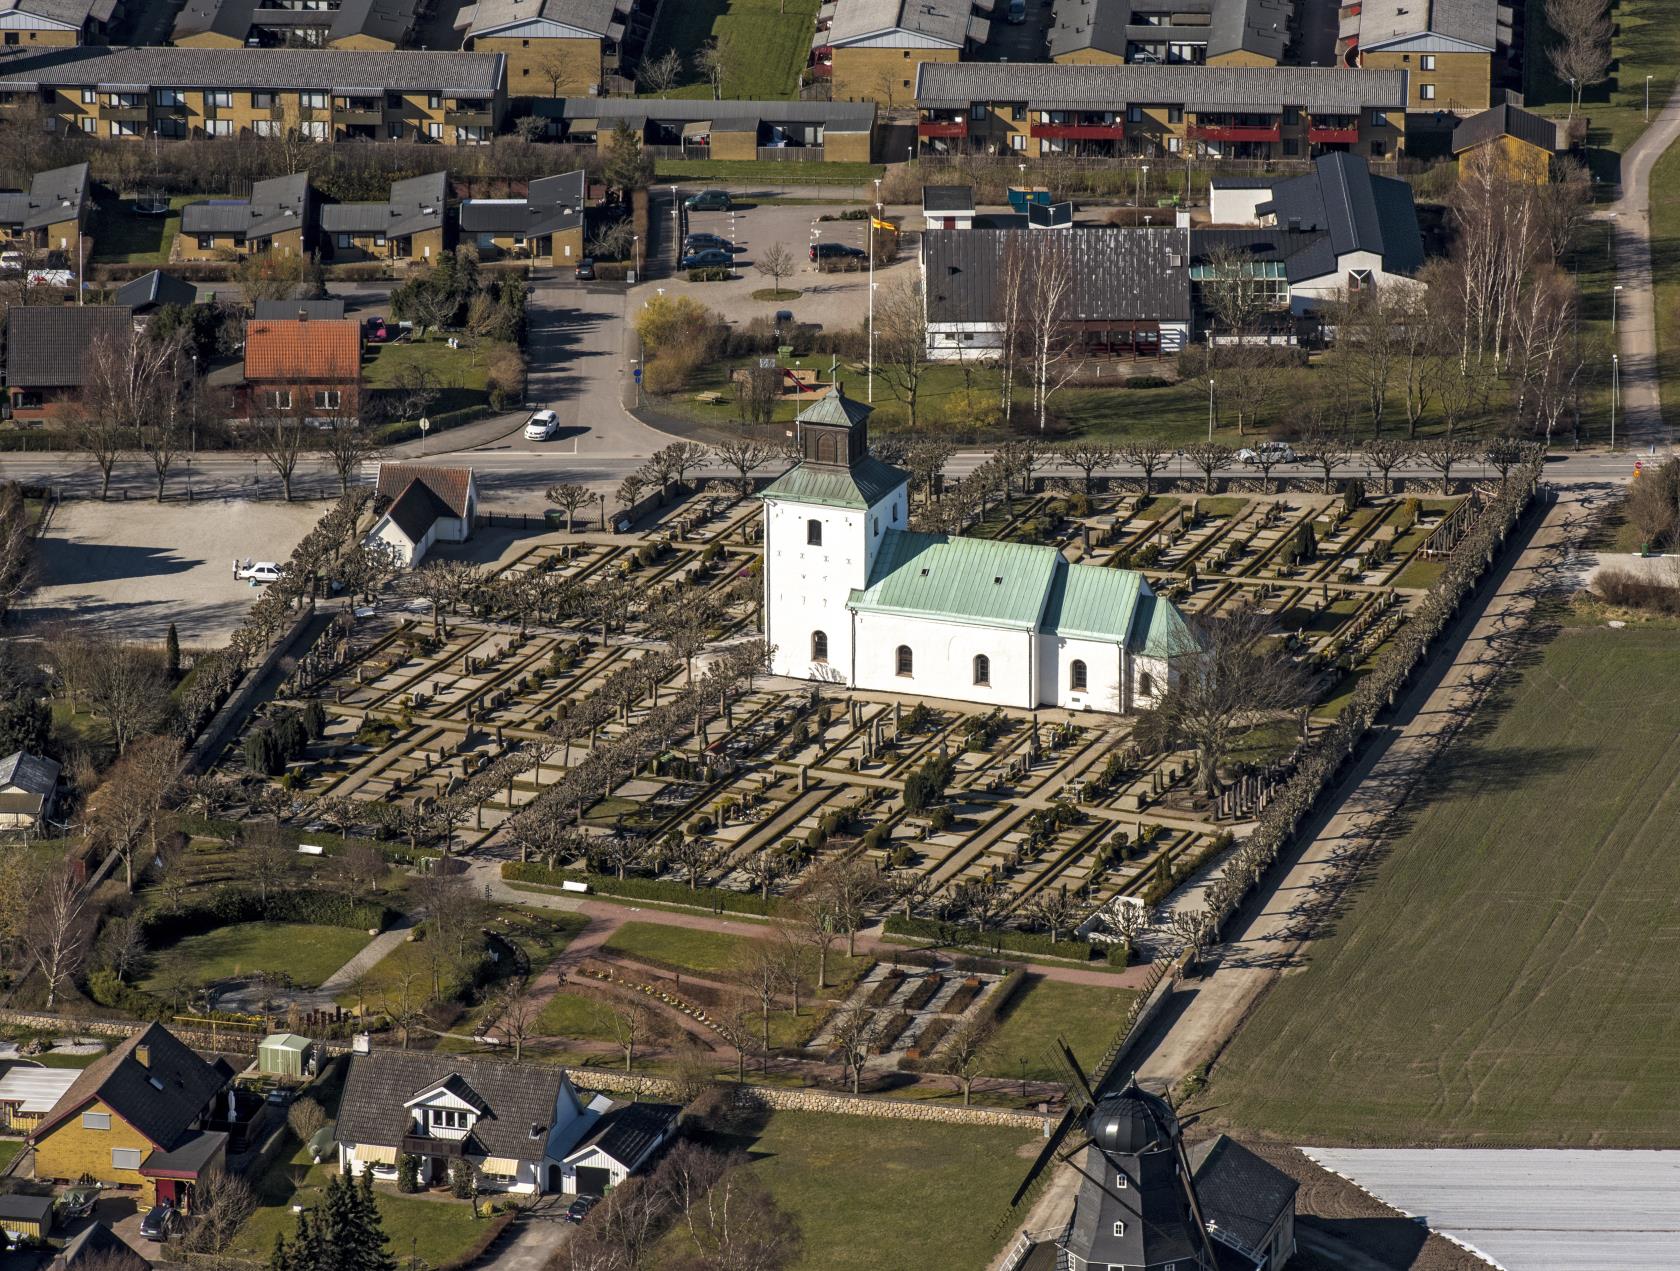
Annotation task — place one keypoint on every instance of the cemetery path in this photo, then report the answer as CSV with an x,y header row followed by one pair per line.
x,y
1269,933
486,878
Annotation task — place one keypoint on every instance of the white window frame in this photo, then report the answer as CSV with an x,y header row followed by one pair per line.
x,y
125,1158
1119,1227
90,96
279,398
96,1120
328,398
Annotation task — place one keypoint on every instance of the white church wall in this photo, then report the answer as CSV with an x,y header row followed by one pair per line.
x,y
943,656
807,585
1103,671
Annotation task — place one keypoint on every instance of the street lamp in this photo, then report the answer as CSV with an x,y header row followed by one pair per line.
x,y
1615,393
1146,182
636,254
1210,408
1613,307
1647,99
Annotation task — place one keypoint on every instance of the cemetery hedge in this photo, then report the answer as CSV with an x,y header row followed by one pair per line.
x,y
718,899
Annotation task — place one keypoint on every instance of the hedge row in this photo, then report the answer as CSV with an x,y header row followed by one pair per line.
x,y
717,899
233,905
955,933
409,429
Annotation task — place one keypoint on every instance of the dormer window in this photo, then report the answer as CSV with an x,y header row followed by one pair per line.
x,y
1119,1229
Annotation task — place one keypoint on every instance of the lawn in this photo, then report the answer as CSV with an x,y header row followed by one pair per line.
x,y
711,953
123,237
1506,975
1086,1017
9,1149
870,1193
1665,271
765,44
307,952
461,373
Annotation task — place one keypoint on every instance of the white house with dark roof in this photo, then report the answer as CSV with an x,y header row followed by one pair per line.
x,y
853,596
28,789
424,504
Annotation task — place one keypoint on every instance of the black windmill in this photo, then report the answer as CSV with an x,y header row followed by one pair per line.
x,y
1137,1205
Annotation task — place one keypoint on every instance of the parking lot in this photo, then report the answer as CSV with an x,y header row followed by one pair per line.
x,y
831,300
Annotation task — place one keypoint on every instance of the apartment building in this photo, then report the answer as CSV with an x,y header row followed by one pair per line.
x,y
409,225
869,49
339,24
1216,112
326,94
706,129
556,48
50,215
277,217
1447,47
1171,32
55,23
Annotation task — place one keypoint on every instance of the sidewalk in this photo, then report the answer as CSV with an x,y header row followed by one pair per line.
x,y
1206,1012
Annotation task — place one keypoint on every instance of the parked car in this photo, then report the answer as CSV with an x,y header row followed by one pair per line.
x,y
699,242
376,330
160,1222
579,1209
1017,12
1271,451
541,426
835,251
257,572
709,201
705,259
586,269
11,262
784,318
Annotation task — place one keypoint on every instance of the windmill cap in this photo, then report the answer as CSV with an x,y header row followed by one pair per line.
x,y
1132,1121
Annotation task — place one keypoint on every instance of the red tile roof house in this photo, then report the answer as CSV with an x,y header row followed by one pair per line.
x,y
422,504
304,365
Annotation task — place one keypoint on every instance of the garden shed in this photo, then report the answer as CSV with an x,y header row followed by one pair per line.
x,y
283,1055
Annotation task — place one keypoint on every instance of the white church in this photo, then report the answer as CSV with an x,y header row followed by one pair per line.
x,y
853,596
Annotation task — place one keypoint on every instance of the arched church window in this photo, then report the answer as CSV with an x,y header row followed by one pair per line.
x,y
819,646
1077,678
813,532
906,660
982,669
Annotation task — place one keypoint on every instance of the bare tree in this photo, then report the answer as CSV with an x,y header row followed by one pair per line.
x,y
926,458
1581,57
1209,458
736,1225
347,444
1384,455
1055,910
712,60
849,889
57,928
129,689
776,263
1014,283
569,497
1087,457
629,1021
744,456
764,976
268,859
1148,455
123,811
659,75
515,1015
1054,350
1443,454
901,341
221,1204
1327,442
965,1055
1365,344
403,1002
280,431
849,1035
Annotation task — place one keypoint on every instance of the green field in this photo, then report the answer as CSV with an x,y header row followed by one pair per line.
x,y
712,953
307,952
926,1194
766,44
1045,1009
1647,42
1506,973
122,236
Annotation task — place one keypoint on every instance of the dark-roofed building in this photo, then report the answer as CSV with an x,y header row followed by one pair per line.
x,y
423,504
621,1142
56,23
1129,287
1215,112
50,214
1189,32
1247,1203
948,206
304,367
852,596
28,788
557,48
275,218
24,1217
148,293
546,226
326,309
870,49
136,1118
514,1122
349,24
97,1248
1448,46
47,347
1525,145
406,226
705,129
452,98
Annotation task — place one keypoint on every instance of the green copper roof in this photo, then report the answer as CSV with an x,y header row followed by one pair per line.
x,y
1093,604
959,579
1161,630
863,485
835,408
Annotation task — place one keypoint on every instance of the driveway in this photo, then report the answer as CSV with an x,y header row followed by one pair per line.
x,y
537,1236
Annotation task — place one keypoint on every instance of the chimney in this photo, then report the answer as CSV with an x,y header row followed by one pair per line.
x,y
143,1056
303,314
362,1044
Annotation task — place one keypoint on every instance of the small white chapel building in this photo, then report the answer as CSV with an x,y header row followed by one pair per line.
x,y
853,596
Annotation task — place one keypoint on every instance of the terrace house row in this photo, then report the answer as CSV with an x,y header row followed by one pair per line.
x,y
50,215
706,129
1172,32
1224,112
869,50
282,215
556,48
327,94
339,24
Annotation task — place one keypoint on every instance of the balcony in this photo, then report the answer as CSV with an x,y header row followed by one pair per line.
x,y
359,117
468,118
421,1145
1332,136
1080,132
126,114
942,128
1236,132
